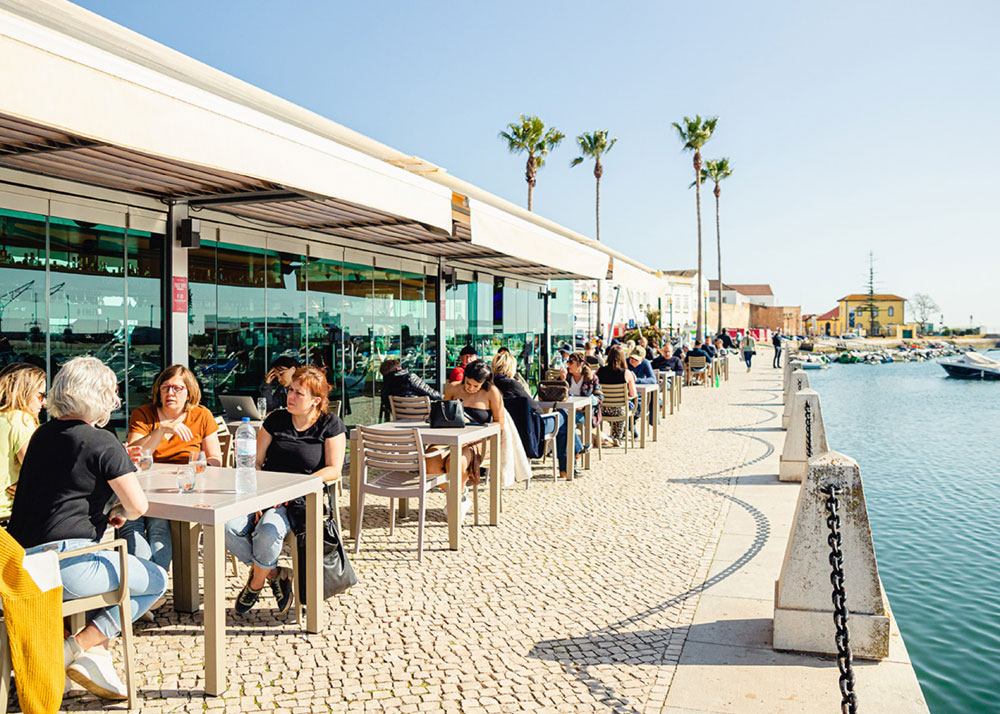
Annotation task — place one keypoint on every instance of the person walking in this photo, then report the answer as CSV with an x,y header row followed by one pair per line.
x,y
748,346
776,341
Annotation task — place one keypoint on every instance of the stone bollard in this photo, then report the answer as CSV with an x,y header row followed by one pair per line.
x,y
799,381
806,436
791,364
803,611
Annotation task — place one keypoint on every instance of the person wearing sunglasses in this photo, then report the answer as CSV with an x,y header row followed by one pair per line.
x,y
174,427
22,396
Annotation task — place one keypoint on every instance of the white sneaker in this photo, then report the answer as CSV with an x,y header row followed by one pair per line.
x,y
95,672
71,651
464,507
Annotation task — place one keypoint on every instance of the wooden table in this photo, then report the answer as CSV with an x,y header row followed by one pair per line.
x,y
207,509
571,405
647,405
455,440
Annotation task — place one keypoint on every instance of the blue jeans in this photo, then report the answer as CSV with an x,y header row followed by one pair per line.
x,y
96,573
259,544
561,438
149,539
748,357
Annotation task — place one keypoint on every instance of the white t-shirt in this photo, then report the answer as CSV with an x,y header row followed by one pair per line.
x,y
575,386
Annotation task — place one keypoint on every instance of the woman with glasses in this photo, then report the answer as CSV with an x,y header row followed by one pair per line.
x,y
174,428
22,396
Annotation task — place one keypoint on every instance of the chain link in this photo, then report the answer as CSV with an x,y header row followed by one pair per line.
x,y
845,661
809,430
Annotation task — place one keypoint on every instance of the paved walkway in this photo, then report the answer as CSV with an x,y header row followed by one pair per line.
x,y
582,599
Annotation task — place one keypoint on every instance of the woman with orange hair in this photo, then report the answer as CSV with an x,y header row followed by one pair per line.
x,y
302,439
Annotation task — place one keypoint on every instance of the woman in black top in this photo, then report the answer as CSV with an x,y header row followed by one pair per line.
x,y
72,469
302,439
617,372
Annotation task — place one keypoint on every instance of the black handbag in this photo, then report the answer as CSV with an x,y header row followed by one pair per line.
x,y
338,574
448,414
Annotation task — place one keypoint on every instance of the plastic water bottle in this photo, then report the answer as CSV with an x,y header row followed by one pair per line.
x,y
246,458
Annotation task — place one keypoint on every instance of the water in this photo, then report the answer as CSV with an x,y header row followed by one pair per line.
x,y
929,451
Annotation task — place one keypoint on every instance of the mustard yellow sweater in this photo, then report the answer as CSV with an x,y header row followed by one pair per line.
x,y
34,627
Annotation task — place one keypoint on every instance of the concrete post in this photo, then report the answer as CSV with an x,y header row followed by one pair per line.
x,y
798,381
795,455
791,364
803,611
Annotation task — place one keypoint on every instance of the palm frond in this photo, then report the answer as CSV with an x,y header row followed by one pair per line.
x,y
576,162
693,133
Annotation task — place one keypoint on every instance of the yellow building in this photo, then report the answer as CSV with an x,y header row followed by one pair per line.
x,y
886,312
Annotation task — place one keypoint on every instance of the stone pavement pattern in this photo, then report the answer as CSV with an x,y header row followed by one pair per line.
x,y
579,601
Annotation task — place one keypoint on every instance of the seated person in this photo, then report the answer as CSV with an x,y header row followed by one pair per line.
x,y
467,355
174,427
400,382
616,371
640,366
71,470
590,353
22,396
274,390
483,404
668,361
709,348
698,351
727,341
644,344
303,438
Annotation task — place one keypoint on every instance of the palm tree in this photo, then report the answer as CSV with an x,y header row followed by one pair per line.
x,y
531,136
717,170
593,145
693,134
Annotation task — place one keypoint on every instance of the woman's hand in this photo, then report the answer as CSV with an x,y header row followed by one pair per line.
x,y
177,427
272,374
117,516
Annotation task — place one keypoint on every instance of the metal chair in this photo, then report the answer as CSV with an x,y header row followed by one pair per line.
x,y
698,365
398,455
225,441
616,395
410,408
74,609
553,374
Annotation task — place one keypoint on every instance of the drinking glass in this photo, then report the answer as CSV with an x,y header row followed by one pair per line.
x,y
198,462
145,461
185,478
262,407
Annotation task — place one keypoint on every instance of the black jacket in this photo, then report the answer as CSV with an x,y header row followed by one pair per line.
x,y
404,383
510,388
275,394
675,364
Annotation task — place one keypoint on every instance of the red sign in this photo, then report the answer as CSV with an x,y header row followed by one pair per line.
x,y
180,294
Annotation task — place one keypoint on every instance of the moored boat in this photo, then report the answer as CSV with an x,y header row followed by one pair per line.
x,y
973,365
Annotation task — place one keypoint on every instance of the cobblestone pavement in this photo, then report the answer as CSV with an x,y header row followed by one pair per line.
x,y
578,602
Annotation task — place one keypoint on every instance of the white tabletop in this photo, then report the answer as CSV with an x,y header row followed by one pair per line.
x,y
577,402
442,437
215,501
646,387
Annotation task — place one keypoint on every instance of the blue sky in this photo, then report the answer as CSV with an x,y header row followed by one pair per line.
x,y
851,127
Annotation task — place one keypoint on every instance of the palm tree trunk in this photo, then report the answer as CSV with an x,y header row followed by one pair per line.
x,y
718,246
600,283
598,209
531,190
697,188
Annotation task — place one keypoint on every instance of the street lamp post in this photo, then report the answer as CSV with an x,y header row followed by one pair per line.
x,y
670,301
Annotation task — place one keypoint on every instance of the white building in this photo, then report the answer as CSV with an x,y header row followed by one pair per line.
x,y
753,294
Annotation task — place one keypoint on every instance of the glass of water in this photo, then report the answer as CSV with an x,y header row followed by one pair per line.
x,y
262,407
185,478
145,460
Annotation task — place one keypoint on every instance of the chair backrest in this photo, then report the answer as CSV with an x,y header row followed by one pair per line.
x,y
410,408
551,374
615,395
697,362
225,440
391,449
334,407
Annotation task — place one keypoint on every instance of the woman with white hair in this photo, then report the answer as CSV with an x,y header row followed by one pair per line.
x,y
71,470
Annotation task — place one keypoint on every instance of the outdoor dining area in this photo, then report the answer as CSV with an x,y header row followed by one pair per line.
x,y
199,491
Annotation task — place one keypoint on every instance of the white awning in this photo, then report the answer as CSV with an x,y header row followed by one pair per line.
x,y
54,80
635,279
508,234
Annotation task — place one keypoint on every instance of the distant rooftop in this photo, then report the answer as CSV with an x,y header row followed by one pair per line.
x,y
752,289
854,297
832,315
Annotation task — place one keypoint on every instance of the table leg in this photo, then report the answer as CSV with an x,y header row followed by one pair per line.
x,y
355,488
495,485
454,496
215,610
642,418
570,441
185,583
314,560
588,432
654,411
403,508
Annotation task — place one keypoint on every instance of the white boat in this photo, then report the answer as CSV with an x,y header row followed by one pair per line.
x,y
973,365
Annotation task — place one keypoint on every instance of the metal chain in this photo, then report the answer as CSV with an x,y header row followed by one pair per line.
x,y
809,431
845,661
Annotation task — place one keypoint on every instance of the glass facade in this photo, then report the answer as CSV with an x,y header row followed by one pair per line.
x,y
72,288
562,317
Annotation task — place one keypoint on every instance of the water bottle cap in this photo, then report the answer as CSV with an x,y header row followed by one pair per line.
x,y
246,419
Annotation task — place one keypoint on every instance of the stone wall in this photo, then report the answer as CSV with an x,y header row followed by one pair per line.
x,y
786,318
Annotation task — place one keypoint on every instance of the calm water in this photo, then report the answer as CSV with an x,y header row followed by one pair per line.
x,y
929,451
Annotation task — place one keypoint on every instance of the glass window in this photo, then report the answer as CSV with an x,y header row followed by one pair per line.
x,y
359,405
23,304
144,309
325,335
892,310
286,306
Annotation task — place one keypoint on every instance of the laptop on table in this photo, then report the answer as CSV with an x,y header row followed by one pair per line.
x,y
237,407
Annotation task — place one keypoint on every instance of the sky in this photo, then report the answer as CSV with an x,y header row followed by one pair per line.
x,y
851,127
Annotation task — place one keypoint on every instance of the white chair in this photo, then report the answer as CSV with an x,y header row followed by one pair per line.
x,y
399,458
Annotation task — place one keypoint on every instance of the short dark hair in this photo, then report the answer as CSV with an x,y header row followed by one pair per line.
x,y
468,350
389,366
285,362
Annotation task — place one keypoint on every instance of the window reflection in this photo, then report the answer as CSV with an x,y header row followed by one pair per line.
x,y
23,322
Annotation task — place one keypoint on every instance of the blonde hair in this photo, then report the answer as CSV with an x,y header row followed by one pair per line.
x,y
504,364
18,384
85,388
187,376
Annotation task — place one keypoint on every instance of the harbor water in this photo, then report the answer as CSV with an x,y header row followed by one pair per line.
x,y
929,451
